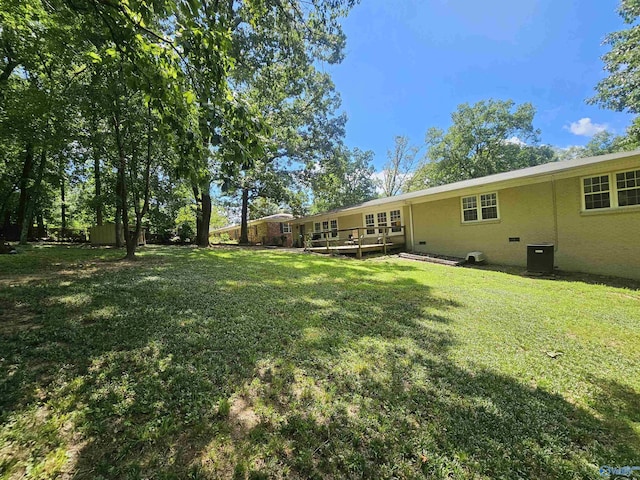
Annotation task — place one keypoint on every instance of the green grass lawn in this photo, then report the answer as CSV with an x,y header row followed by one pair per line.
x,y
231,363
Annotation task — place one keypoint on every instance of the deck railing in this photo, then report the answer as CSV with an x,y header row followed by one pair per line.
x,y
357,235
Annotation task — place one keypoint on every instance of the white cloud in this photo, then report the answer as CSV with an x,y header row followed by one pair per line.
x,y
515,141
586,127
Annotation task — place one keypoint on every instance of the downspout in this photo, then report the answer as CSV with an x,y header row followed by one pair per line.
x,y
411,224
555,214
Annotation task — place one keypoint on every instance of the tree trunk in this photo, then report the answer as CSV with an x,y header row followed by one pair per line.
x,y
244,230
6,224
95,150
98,182
199,218
63,205
123,193
31,203
203,231
41,231
130,242
6,198
24,185
118,226
141,212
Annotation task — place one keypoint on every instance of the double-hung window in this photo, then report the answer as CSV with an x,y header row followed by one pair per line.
x,y
370,223
285,228
611,190
476,208
334,228
387,222
596,192
469,209
628,188
396,222
382,222
324,229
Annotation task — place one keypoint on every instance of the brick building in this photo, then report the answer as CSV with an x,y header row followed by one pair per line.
x,y
271,230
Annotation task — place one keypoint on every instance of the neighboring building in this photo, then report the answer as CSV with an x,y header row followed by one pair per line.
x,y
588,208
106,235
271,230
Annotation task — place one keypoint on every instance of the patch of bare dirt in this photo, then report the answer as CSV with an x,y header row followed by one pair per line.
x,y
242,417
15,317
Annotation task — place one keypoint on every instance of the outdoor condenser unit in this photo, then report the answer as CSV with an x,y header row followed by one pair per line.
x,y
540,258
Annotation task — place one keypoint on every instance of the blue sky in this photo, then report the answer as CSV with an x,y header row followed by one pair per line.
x,y
409,63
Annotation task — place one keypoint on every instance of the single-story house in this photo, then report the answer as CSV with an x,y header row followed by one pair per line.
x,y
271,230
587,208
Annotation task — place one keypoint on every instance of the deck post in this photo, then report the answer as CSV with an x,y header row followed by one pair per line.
x,y
359,254
404,230
326,237
384,241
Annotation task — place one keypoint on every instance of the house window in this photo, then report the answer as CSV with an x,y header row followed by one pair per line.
x,y
388,222
394,216
480,207
596,192
328,228
469,209
628,188
370,223
489,204
285,228
382,222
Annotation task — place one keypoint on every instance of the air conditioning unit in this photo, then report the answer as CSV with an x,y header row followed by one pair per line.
x,y
540,258
476,257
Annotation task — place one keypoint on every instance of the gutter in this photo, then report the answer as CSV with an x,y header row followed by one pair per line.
x,y
555,213
411,225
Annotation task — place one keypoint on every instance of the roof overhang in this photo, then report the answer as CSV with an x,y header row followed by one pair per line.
x,y
528,176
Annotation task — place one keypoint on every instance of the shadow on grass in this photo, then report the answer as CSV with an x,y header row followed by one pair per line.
x,y
590,279
244,363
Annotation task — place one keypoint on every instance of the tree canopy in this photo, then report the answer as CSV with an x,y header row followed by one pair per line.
x,y
487,137
133,110
345,180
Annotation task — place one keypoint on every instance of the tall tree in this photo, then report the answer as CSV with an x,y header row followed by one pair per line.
x,y
275,72
488,137
620,90
401,162
345,180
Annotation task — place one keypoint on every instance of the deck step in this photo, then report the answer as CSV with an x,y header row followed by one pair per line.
x,y
427,258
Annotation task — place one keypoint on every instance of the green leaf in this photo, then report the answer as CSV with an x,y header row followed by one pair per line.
x,y
189,96
95,58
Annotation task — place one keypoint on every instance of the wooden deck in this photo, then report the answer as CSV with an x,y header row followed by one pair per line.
x,y
355,249
352,240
